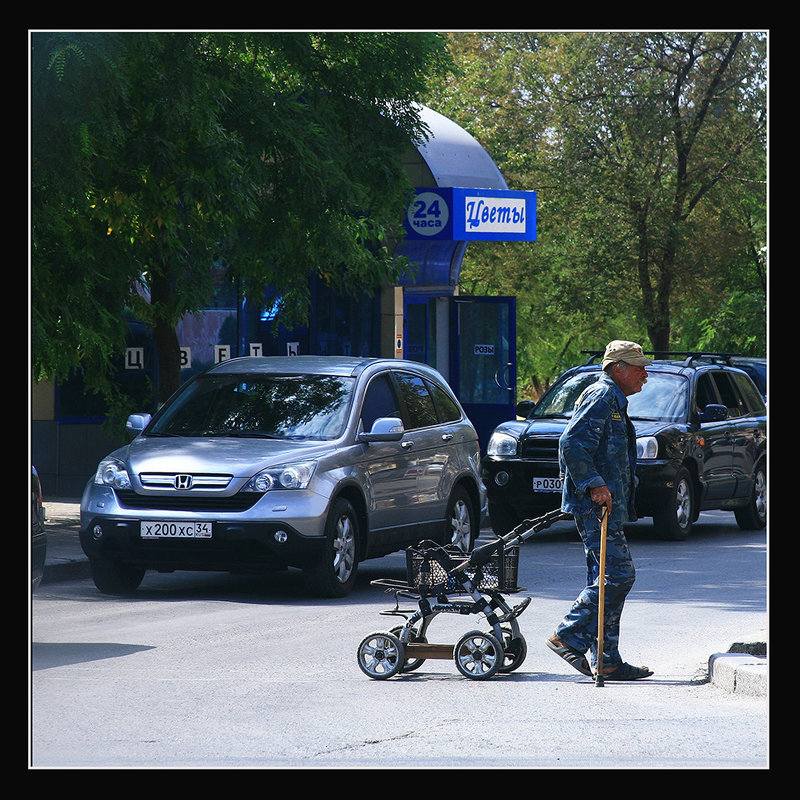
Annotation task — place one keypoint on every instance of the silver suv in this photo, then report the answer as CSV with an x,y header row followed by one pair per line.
x,y
265,463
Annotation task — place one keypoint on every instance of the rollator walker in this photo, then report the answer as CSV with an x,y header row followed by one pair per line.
x,y
446,580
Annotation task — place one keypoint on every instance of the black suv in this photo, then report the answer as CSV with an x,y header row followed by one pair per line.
x,y
701,427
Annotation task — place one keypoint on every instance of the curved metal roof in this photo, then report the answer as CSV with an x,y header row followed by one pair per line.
x,y
455,158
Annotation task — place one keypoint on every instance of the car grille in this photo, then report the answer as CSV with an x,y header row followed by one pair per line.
x,y
169,480
540,449
181,502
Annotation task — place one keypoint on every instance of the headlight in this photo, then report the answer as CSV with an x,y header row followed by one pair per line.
x,y
501,444
647,447
286,476
112,472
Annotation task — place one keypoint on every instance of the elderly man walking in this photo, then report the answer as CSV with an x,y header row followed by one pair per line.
x,y
597,454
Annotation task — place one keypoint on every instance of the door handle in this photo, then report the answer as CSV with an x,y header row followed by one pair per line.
x,y
502,367
446,437
407,445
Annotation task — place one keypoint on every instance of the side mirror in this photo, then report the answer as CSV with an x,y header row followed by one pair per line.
x,y
524,408
384,429
136,424
713,413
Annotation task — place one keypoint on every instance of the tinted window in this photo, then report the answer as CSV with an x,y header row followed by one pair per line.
x,y
728,394
752,398
706,393
379,401
417,400
284,407
446,407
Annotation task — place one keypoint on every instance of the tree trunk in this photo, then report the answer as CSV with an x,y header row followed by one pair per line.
x,y
166,339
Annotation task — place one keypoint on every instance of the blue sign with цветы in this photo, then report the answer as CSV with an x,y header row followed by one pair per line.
x,y
461,214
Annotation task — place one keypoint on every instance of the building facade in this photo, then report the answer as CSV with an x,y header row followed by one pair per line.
x,y
461,197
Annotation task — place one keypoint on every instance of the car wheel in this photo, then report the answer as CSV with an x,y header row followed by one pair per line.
x,y
112,577
334,574
753,516
675,521
502,518
462,525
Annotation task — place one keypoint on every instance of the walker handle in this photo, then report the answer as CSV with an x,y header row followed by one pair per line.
x,y
481,555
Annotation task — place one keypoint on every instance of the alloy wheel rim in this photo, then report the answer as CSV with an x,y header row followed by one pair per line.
x,y
344,549
460,526
683,504
761,495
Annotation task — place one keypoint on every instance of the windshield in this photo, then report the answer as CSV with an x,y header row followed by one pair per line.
x,y
270,406
561,397
663,397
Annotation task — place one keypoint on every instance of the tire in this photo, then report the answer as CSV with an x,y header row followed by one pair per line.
x,y
462,522
478,655
674,523
516,650
753,516
410,664
381,655
113,577
502,518
334,574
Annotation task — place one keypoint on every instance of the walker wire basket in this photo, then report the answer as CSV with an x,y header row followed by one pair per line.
x,y
430,568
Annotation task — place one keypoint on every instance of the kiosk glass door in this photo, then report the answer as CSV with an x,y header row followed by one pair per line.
x,y
483,368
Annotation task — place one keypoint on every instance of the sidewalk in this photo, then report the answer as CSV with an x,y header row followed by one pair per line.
x,y
65,559
743,669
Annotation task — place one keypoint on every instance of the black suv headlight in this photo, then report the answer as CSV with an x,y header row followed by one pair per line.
x,y
646,448
502,443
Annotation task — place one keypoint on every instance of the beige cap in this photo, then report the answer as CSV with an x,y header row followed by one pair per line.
x,y
629,352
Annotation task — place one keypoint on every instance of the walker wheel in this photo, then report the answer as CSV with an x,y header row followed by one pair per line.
x,y
411,664
478,655
381,655
516,650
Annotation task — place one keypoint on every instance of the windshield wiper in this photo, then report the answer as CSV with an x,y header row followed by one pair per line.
x,y
248,435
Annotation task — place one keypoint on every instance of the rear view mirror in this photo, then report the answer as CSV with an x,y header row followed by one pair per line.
x,y
524,408
136,424
384,429
713,413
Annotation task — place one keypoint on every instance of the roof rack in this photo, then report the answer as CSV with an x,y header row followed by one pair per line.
x,y
688,355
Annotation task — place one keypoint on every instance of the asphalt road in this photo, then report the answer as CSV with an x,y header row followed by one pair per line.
x,y
205,669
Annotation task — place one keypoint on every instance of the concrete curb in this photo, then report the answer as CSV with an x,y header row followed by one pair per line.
x,y
741,673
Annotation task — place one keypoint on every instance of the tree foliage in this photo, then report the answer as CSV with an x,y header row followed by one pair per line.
x,y
156,155
647,151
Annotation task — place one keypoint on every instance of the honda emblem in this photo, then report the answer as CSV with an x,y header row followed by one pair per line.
x,y
183,481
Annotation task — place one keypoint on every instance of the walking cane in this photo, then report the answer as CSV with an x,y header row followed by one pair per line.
x,y
601,598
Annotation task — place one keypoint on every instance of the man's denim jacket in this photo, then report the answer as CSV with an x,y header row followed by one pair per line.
x,y
598,448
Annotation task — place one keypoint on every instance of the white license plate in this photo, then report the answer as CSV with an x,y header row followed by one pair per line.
x,y
547,484
174,529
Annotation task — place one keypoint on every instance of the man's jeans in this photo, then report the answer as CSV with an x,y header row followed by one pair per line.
x,y
579,628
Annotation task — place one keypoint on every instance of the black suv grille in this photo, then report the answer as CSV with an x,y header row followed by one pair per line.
x,y
541,449
173,502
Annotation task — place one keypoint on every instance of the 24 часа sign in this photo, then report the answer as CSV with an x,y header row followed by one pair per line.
x,y
472,214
